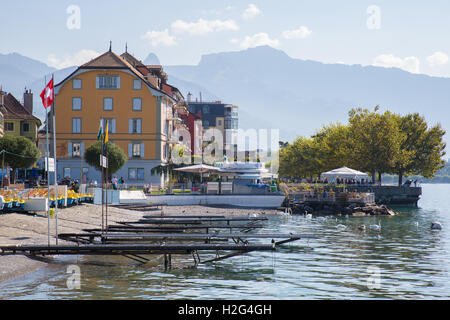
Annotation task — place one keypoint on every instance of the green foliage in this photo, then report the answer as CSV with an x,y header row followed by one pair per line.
x,y
21,153
371,142
116,157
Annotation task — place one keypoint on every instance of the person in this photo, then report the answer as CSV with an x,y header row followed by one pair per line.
x,y
121,181
114,182
75,186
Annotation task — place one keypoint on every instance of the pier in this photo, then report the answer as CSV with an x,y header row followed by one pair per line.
x,y
167,236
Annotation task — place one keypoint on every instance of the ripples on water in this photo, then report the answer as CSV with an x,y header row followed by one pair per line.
x,y
413,262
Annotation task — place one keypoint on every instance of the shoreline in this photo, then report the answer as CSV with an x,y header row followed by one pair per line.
x,y
22,228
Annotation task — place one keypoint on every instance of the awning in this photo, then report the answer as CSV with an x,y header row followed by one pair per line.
x,y
344,173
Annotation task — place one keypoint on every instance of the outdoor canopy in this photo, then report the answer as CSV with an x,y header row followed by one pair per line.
x,y
344,173
198,168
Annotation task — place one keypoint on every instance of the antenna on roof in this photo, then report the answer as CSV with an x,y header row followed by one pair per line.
x,y
126,47
110,45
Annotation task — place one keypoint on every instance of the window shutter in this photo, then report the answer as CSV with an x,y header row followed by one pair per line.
x,y
97,82
142,150
138,125
82,149
69,149
130,126
130,150
113,126
118,82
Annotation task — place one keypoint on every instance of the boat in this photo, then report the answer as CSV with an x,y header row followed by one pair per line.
x,y
241,184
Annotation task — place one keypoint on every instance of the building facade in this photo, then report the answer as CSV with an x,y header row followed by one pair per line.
x,y
17,118
132,99
220,116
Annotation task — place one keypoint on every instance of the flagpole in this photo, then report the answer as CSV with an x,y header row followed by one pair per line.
x,y
47,165
105,141
54,154
103,179
107,179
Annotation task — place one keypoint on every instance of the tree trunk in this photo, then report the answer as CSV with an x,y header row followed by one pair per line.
x,y
379,177
400,178
373,177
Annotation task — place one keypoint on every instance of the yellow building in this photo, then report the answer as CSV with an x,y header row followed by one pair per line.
x,y
130,96
18,119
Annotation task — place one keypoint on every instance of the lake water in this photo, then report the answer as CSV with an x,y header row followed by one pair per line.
x,y
404,260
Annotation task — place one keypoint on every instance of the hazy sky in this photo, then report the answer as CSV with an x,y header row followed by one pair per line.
x,y
411,36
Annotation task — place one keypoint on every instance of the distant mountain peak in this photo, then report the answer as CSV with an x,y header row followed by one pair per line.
x,y
261,53
152,59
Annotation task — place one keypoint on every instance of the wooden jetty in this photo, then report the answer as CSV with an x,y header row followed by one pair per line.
x,y
165,235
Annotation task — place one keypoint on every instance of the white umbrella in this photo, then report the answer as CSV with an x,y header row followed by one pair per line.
x,y
345,173
199,168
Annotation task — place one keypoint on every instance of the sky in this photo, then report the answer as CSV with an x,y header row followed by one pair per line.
x,y
409,35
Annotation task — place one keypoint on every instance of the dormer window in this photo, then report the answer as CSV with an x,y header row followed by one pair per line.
x,y
107,82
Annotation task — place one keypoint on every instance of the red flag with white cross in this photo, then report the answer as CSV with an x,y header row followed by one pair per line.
x,y
47,95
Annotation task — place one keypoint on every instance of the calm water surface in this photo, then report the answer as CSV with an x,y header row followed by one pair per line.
x,y
404,260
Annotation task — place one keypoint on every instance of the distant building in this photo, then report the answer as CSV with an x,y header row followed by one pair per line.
x,y
17,119
218,115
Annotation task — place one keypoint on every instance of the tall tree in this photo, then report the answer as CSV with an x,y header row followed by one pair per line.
x,y
376,140
334,146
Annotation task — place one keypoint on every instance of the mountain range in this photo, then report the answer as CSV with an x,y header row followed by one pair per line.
x,y
274,90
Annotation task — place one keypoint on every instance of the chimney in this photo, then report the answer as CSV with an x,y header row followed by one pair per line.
x,y
28,100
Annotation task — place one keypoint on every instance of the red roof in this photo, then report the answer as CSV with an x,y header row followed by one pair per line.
x,y
13,109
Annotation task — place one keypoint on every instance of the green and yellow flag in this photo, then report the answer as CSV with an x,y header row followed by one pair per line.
x,y
100,130
106,132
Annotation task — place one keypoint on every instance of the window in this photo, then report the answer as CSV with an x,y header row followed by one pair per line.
x,y
219,122
67,172
107,82
76,125
76,84
135,126
137,85
26,127
107,104
111,124
136,173
205,124
137,104
9,126
205,109
76,149
136,150
76,103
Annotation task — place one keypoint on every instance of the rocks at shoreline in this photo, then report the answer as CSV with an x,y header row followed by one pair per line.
x,y
351,210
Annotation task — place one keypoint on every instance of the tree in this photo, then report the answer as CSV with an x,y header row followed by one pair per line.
x,y
20,152
422,149
301,159
375,141
334,146
116,157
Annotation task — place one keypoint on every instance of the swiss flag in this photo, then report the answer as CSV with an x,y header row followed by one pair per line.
x,y
47,95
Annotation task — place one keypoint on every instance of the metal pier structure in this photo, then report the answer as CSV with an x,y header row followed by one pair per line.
x,y
165,235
